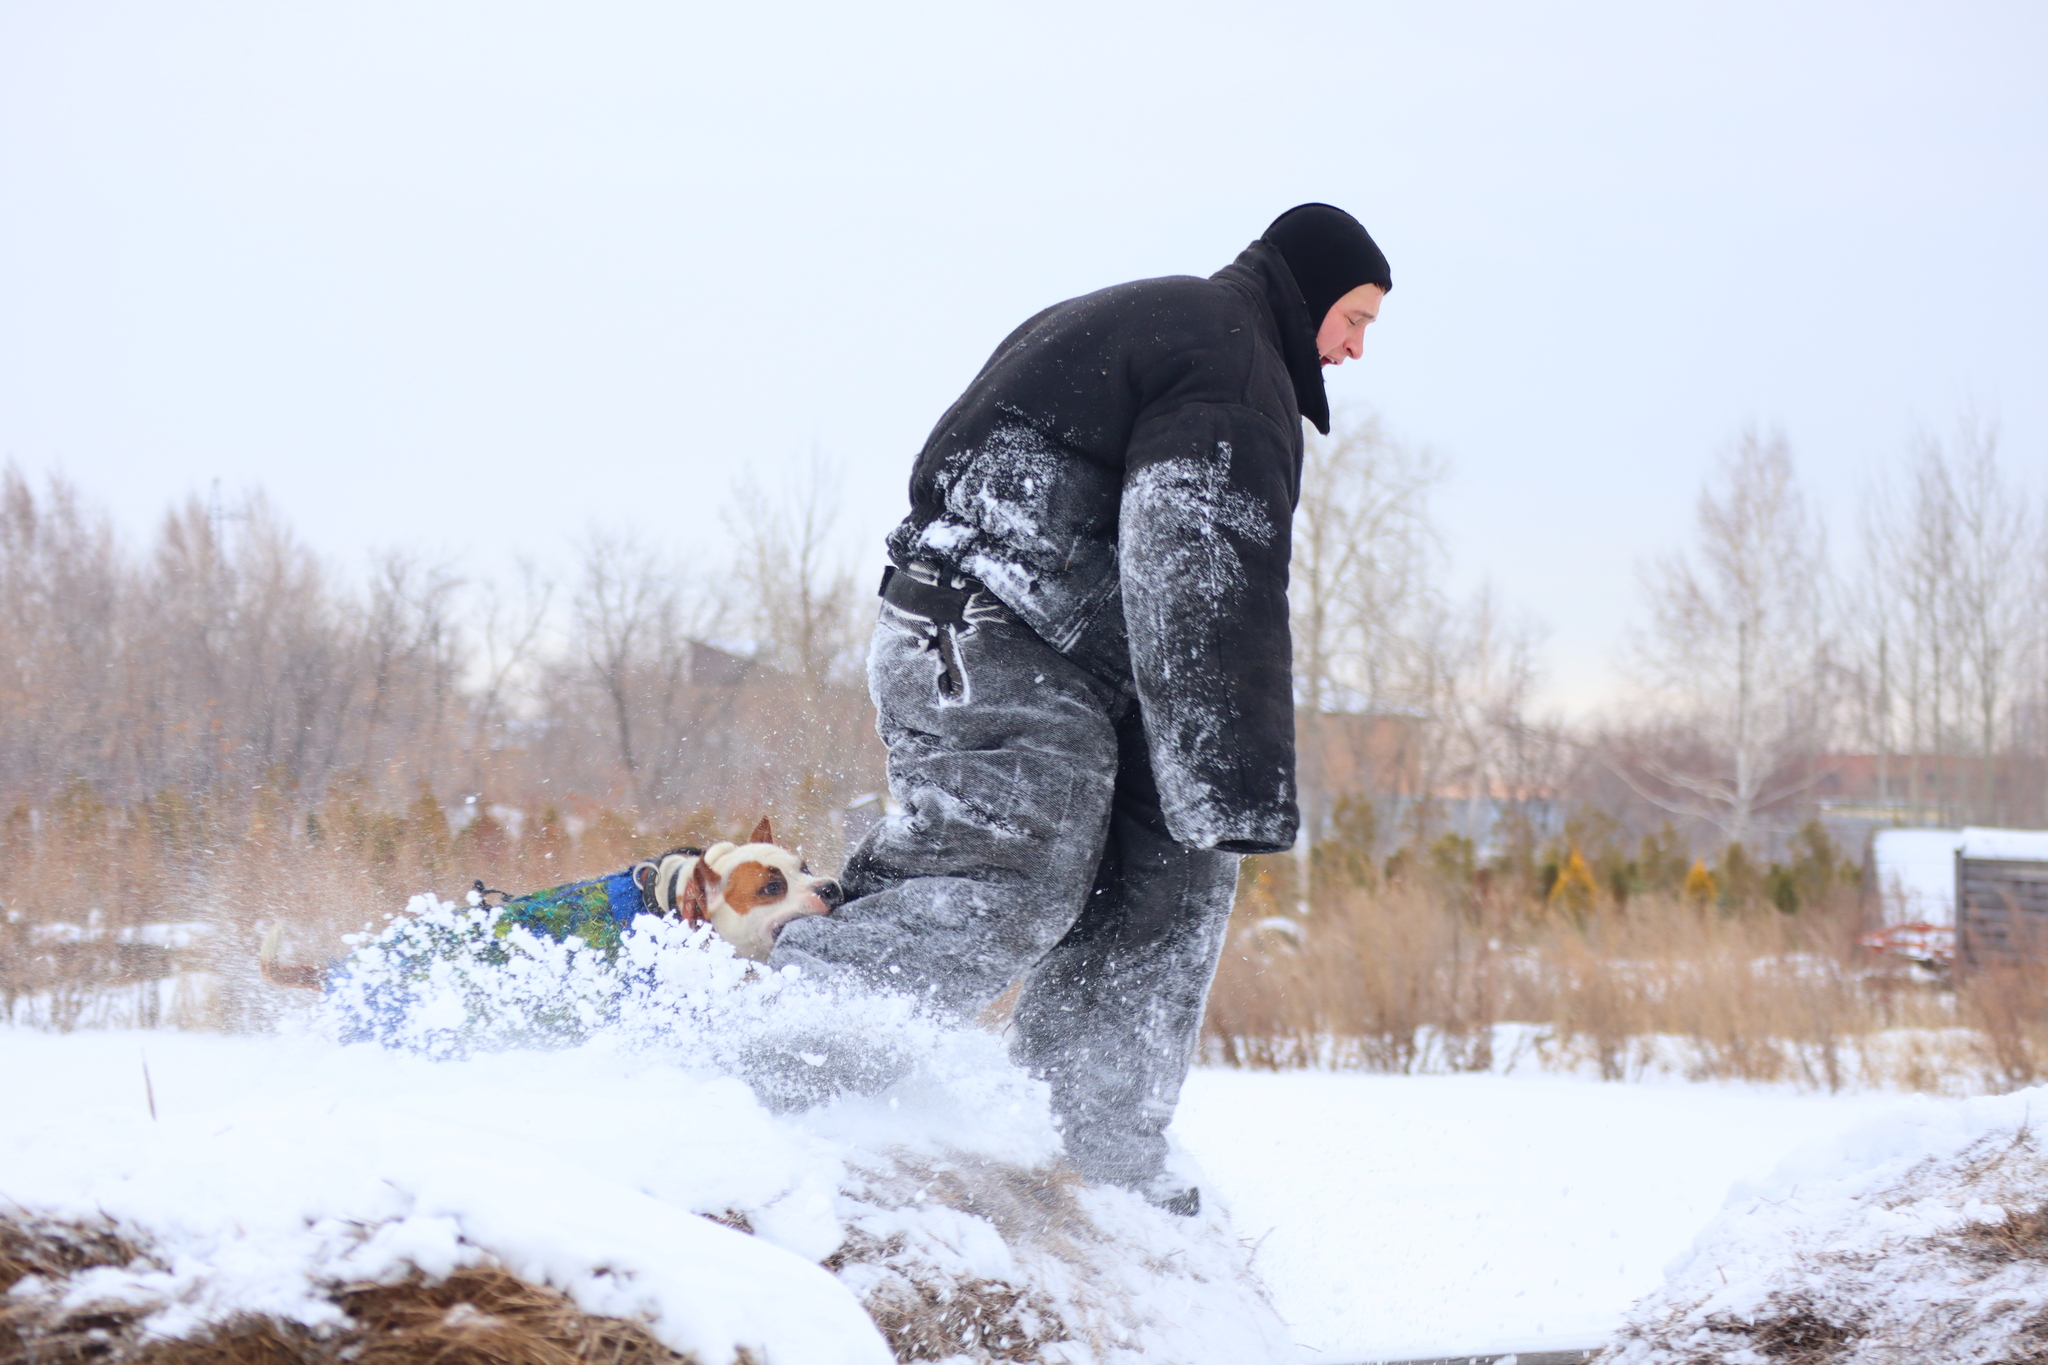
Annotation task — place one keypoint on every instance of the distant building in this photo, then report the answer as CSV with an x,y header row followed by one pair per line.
x,y
1342,753
2001,899
1382,757
1925,789
710,666
1969,898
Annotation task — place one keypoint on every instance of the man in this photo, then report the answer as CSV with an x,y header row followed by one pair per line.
x,y
1083,674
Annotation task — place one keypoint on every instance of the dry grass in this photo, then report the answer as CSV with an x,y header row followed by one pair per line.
x,y
52,1249
480,1315
477,1316
979,1318
2006,1007
2029,1345
1417,977
1794,1332
925,1317
2020,1236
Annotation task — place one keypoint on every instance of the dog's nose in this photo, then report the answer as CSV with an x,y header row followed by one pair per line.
x,y
831,893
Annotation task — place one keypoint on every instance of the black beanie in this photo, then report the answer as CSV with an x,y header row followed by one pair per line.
x,y
1330,253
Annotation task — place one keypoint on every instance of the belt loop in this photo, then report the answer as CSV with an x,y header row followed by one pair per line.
x,y
967,606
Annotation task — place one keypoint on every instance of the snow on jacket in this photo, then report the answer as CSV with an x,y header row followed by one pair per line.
x,y
1122,474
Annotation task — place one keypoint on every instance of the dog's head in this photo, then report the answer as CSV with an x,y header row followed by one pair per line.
x,y
748,892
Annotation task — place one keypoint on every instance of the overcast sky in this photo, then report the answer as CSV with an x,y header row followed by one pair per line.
x,y
477,275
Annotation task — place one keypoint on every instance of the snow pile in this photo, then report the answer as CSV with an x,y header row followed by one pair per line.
x,y
739,1160
2022,845
1922,1236
445,982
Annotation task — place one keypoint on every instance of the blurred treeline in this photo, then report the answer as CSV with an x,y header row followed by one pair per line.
x,y
225,670
1769,681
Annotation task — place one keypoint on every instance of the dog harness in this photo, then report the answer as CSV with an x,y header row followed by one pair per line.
x,y
600,910
597,910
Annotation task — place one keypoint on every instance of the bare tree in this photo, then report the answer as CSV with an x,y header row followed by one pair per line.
x,y
809,616
628,614
1360,591
412,651
1913,554
255,667
1736,645
797,598
1946,617
1484,673
1874,645
1361,571
63,583
509,632
1988,593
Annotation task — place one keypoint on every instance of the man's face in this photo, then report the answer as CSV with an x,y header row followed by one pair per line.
x,y
1342,335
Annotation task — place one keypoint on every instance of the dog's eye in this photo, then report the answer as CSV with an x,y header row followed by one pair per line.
x,y
774,889
804,868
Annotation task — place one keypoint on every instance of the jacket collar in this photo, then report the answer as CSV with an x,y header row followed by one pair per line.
x,y
1262,272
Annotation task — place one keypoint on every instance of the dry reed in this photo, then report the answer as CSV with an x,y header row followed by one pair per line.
x,y
1420,976
150,915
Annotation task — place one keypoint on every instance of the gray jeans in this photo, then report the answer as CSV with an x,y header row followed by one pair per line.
x,y
1031,845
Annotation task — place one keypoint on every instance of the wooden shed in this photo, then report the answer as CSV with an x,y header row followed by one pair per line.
x,y
2001,899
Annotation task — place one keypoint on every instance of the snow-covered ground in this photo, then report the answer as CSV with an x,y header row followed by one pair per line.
x,y
274,1165
1410,1216
1921,1236
651,1137
670,1135
1394,1216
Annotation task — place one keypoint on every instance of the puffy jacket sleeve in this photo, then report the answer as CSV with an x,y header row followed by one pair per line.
x,y
1203,546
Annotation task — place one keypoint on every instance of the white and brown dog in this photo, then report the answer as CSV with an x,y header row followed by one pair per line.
x,y
745,892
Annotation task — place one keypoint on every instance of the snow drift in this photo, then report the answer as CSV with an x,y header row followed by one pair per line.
x,y
740,1162
1919,1237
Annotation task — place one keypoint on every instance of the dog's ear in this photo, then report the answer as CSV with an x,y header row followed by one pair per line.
x,y
695,905
764,833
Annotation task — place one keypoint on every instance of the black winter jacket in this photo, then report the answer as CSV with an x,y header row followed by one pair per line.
x,y
1122,474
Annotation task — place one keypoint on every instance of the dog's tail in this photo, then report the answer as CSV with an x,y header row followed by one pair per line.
x,y
295,978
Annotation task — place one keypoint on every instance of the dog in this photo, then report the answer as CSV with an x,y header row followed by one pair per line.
x,y
746,892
